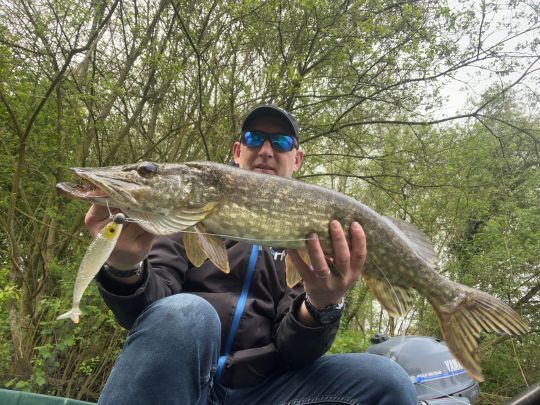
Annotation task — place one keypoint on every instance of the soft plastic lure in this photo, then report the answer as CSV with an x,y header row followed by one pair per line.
x,y
97,254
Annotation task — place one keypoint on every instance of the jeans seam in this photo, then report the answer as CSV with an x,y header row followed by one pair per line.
x,y
321,400
208,384
209,378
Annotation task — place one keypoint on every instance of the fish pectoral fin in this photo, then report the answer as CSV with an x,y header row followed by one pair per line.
x,y
395,299
463,323
194,251
292,275
200,246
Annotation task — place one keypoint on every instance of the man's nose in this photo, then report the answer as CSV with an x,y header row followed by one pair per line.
x,y
266,149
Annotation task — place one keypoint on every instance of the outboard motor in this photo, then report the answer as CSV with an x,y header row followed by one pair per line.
x,y
438,377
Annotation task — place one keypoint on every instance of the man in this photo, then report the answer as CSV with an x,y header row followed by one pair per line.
x,y
198,335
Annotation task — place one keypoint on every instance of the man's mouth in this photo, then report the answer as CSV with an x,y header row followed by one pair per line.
x,y
262,168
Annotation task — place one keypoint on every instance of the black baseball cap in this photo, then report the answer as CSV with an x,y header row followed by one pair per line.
x,y
272,110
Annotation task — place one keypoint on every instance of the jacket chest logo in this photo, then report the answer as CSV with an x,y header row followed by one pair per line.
x,y
276,254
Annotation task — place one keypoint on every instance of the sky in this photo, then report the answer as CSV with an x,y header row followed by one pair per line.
x,y
471,82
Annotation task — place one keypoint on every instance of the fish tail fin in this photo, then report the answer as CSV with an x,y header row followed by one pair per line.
x,y
73,314
475,312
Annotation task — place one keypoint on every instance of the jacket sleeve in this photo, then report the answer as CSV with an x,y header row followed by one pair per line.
x,y
297,344
163,274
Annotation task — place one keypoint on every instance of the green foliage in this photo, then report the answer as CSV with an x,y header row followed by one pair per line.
x,y
65,354
349,341
510,366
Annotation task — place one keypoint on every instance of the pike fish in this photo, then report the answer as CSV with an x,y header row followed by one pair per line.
x,y
209,201
95,257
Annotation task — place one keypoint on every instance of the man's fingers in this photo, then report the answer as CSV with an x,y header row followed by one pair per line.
x,y
99,213
358,248
133,244
340,246
95,218
146,238
319,266
134,234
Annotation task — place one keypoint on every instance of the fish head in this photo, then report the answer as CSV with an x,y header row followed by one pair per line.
x,y
140,187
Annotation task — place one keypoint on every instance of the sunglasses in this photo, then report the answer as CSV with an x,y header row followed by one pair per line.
x,y
254,139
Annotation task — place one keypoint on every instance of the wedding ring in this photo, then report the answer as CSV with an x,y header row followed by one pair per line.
x,y
323,273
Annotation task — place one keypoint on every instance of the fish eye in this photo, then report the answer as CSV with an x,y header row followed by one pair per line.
x,y
147,169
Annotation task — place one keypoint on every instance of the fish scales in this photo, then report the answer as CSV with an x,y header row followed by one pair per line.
x,y
277,209
290,221
206,199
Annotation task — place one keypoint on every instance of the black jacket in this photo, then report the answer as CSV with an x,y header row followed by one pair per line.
x,y
268,339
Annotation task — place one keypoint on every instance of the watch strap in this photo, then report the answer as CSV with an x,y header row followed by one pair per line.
x,y
123,273
327,314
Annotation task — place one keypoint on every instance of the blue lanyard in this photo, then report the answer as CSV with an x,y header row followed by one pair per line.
x,y
238,311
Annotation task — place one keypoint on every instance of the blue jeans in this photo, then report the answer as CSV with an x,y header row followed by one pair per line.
x,y
171,353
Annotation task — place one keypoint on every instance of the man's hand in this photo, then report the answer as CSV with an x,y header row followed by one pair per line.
x,y
323,287
132,246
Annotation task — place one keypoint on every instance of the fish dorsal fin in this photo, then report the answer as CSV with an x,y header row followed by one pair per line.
x,y
420,242
200,246
167,224
292,275
395,299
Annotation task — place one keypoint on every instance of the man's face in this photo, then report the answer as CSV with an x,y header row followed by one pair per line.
x,y
265,159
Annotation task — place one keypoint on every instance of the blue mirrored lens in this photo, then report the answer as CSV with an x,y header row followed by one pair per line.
x,y
280,142
283,143
254,139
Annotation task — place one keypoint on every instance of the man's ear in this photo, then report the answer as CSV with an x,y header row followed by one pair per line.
x,y
236,152
298,159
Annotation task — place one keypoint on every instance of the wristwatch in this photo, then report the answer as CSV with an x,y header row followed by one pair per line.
x,y
326,315
123,273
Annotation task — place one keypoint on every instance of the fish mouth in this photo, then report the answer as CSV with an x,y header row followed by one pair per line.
x,y
87,191
99,187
